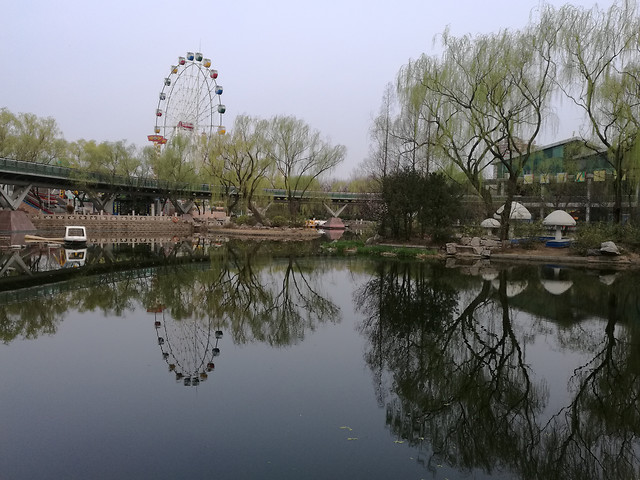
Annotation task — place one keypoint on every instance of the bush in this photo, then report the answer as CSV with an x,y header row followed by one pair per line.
x,y
245,220
472,231
591,235
279,221
297,222
440,236
529,230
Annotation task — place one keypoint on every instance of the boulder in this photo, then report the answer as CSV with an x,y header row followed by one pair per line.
x,y
609,248
373,240
489,243
465,241
451,248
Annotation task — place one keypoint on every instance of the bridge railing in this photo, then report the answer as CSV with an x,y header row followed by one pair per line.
x,y
340,196
9,165
80,176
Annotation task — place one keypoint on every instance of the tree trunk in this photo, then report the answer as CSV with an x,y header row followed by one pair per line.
x,y
505,219
617,202
256,213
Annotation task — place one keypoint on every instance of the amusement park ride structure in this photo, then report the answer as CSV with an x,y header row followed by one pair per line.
x,y
189,102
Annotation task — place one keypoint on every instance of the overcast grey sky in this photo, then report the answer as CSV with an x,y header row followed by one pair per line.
x,y
97,67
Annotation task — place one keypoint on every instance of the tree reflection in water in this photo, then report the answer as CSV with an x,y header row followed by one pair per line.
x,y
256,298
448,357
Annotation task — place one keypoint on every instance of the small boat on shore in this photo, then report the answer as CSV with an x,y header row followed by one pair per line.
x,y
75,235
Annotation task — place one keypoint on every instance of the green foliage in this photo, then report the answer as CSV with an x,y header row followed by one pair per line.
x,y
412,199
590,236
244,220
297,222
472,231
29,138
532,230
440,207
279,221
176,161
299,155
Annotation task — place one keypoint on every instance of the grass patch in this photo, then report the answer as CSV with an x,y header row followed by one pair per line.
x,y
349,247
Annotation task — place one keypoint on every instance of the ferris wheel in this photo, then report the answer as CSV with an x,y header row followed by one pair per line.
x,y
189,103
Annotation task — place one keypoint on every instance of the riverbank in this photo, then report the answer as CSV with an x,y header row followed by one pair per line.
x,y
537,253
100,226
564,256
270,233
108,225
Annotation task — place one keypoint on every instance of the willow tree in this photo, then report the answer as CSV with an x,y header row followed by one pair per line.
x,y
114,161
601,69
174,162
300,155
508,80
441,88
239,162
29,138
381,160
412,128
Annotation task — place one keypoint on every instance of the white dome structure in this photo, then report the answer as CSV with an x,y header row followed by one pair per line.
x,y
518,212
559,219
490,224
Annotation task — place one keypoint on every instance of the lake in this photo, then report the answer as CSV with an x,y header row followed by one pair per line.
x,y
254,360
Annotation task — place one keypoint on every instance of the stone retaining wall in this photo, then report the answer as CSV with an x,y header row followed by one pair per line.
x,y
137,224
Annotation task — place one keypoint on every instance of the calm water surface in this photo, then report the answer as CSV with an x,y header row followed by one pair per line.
x,y
243,361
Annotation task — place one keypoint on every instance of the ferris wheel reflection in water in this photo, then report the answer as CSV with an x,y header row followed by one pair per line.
x,y
189,346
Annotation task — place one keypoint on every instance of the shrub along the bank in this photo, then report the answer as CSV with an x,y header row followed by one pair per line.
x,y
591,235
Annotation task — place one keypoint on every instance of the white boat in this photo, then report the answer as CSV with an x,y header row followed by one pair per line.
x,y
74,257
75,235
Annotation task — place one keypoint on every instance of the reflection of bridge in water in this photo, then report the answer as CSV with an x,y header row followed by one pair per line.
x,y
189,345
40,270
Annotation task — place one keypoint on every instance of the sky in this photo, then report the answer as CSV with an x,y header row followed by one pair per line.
x,y
97,67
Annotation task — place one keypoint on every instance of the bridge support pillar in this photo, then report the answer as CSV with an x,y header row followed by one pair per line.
x,y
337,213
15,221
263,211
14,199
12,259
182,208
102,204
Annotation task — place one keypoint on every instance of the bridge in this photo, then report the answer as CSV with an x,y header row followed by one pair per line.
x,y
101,189
17,179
